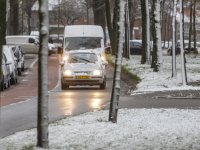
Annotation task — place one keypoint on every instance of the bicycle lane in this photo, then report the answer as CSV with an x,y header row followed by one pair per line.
x,y
27,88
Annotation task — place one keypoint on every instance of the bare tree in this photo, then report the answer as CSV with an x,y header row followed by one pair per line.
x,y
42,124
190,30
173,42
14,10
144,31
181,43
194,26
2,33
27,7
70,11
157,60
117,73
112,27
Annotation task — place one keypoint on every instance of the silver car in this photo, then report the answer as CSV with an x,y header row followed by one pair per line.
x,y
8,51
20,58
83,67
5,78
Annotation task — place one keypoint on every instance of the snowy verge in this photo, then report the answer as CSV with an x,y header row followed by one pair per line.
x,y
154,81
135,129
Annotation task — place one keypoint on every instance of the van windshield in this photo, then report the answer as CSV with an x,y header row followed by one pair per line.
x,y
81,43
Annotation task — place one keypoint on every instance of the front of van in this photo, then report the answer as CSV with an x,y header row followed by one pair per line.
x,y
83,37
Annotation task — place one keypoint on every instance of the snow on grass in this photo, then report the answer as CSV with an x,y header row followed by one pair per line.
x,y
154,81
135,129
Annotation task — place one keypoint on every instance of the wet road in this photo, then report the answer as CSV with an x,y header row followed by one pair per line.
x,y
19,104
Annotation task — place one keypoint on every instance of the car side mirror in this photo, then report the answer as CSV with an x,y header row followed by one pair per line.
x,y
8,62
60,50
104,63
61,63
108,50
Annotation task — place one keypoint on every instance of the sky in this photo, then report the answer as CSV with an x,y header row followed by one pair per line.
x,y
135,128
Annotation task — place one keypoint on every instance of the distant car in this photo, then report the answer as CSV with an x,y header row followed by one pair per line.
x,y
53,38
20,58
178,47
5,78
8,51
135,47
52,49
186,47
83,67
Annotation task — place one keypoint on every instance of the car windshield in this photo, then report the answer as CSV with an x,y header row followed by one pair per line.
x,y
8,55
82,58
81,43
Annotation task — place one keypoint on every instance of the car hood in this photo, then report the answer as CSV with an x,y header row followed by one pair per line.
x,y
82,66
51,45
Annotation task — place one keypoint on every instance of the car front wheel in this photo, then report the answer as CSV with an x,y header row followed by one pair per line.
x,y
103,85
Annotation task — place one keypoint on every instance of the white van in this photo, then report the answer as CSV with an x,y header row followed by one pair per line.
x,y
29,44
83,37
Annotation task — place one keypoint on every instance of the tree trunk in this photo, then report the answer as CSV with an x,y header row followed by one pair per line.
x,y
194,26
109,25
144,31
2,33
42,124
174,74
131,19
148,33
99,14
190,30
117,73
181,42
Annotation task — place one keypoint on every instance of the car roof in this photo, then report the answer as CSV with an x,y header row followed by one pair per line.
x,y
82,51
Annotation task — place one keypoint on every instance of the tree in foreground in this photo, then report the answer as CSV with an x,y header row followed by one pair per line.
x,y
42,124
117,73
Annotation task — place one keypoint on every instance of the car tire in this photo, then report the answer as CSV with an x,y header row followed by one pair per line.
x,y
22,68
13,80
103,85
19,72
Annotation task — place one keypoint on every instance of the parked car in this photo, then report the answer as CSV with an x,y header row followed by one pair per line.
x,y
135,47
53,38
178,47
186,47
83,67
8,51
20,58
28,44
5,78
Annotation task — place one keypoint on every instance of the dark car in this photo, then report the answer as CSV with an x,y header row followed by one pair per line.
x,y
178,48
5,74
135,47
186,47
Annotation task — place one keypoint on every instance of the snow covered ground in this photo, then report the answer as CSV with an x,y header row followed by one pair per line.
x,y
136,128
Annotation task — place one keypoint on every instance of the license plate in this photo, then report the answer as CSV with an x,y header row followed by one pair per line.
x,y
82,77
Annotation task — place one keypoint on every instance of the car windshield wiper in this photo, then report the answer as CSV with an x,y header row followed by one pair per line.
x,y
85,59
68,49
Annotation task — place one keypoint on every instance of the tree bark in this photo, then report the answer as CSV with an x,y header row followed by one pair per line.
x,y
194,26
14,24
190,30
42,124
2,33
117,73
144,31
99,14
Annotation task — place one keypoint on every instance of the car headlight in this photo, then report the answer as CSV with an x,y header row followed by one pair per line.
x,y
65,58
67,72
102,58
50,48
97,72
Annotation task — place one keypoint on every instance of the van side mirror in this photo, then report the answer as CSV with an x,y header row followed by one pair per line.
x,y
108,50
60,50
